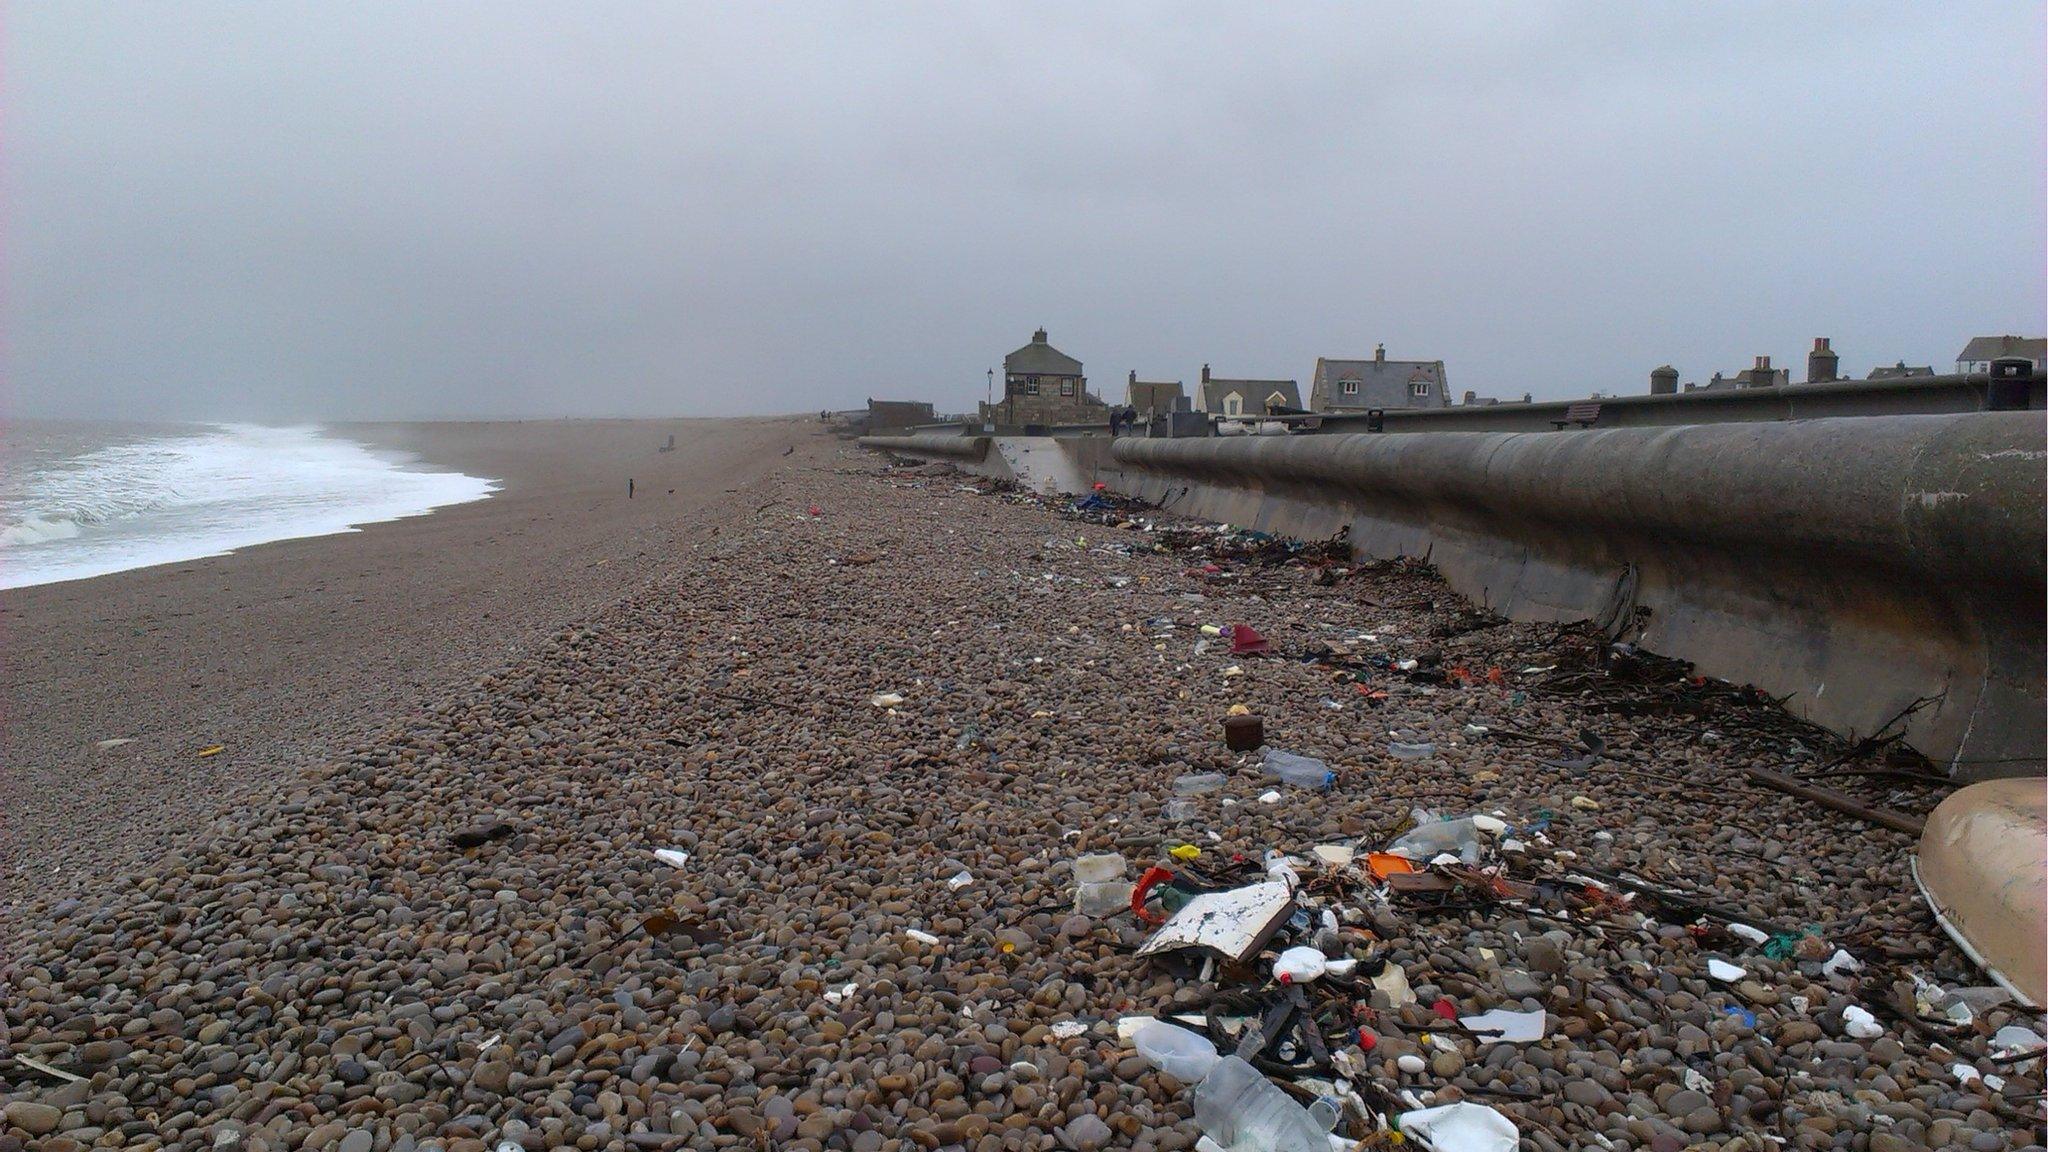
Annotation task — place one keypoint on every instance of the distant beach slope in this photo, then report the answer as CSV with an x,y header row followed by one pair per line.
x,y
291,649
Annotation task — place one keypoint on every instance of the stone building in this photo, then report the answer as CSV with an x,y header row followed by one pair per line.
x,y
887,414
1356,385
1901,371
1227,397
1154,397
1043,386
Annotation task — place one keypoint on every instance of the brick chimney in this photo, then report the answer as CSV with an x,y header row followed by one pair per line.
x,y
1379,354
1134,377
1822,363
1205,373
1663,380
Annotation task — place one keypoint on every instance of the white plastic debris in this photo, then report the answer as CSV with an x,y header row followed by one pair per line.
x,y
1342,966
1725,972
1335,855
960,879
1841,963
1965,1074
1393,980
1462,1127
920,935
1068,1029
2014,1039
673,857
885,699
1491,825
1281,867
1753,935
1299,965
1269,797
1512,1027
840,994
1861,1024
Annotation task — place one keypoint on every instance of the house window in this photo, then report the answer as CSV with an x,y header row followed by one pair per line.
x,y
1066,387
1420,388
1031,385
1276,400
1351,387
1233,405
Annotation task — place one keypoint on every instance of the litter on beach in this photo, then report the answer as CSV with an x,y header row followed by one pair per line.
x,y
1232,924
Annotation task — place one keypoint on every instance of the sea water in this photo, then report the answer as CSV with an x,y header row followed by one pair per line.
x,y
79,500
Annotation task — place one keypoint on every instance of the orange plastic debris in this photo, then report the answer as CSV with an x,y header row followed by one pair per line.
x,y
1385,864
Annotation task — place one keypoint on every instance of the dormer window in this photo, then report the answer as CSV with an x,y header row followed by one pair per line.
x,y
1419,389
1351,387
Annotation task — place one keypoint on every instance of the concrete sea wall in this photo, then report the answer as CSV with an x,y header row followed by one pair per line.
x,y
1854,566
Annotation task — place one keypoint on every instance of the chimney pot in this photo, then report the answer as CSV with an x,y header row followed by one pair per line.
x,y
1379,354
1205,373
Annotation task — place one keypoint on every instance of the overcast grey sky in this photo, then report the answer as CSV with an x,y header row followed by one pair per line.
x,y
340,210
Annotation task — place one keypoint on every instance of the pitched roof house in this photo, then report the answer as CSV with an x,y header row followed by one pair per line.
x,y
1043,386
1150,396
1978,354
1342,385
1226,397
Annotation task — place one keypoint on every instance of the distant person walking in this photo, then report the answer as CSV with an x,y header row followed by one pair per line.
x,y
629,487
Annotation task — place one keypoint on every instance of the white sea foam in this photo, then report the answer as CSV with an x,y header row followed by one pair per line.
x,y
164,498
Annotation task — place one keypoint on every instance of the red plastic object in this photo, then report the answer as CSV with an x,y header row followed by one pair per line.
x,y
1246,641
1153,877
1444,1008
1367,1041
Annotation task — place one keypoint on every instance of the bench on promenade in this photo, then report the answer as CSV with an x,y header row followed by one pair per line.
x,y
1581,414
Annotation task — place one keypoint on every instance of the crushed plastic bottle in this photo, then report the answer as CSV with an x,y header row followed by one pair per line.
x,y
1300,771
1197,783
1433,838
1181,810
1243,1111
1099,885
1400,750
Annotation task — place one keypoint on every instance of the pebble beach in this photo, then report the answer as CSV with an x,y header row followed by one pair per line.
x,y
768,842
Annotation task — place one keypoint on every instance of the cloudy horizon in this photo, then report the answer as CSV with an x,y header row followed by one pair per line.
x,y
240,211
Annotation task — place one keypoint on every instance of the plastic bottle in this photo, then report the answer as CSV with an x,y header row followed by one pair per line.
x,y
1197,783
1240,1109
1300,771
1429,840
1099,886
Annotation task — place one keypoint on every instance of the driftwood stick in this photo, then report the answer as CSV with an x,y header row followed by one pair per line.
x,y
1840,802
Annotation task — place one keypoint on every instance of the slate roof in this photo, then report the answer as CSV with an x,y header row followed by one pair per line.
x,y
1381,384
2034,348
1039,358
1255,392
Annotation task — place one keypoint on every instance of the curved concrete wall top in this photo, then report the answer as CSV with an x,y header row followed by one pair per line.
x,y
931,444
1863,568
1952,496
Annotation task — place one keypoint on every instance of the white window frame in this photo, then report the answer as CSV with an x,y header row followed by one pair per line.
x,y
1277,399
1233,405
1066,387
1031,385
1419,389
1351,387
